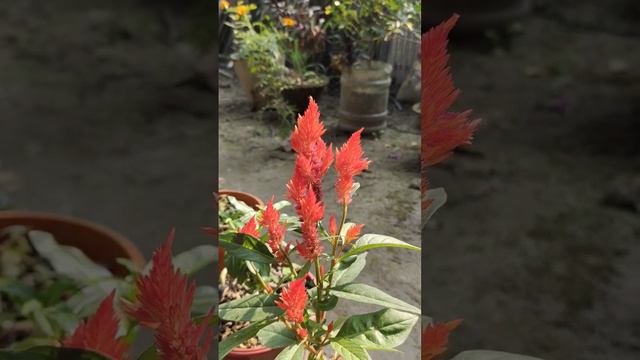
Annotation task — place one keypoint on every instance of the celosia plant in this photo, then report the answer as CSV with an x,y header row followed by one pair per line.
x,y
291,312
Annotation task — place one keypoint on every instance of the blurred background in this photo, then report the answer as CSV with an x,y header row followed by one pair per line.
x,y
108,114
538,247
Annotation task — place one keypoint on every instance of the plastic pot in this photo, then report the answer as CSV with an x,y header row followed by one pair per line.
x,y
475,15
98,242
364,94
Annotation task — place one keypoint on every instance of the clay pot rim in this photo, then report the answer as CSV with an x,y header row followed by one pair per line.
x,y
323,83
230,192
253,351
120,240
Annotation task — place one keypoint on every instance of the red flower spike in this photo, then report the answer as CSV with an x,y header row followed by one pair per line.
x,y
306,141
271,221
163,304
250,228
353,233
293,300
349,163
435,338
98,333
333,228
442,131
330,327
311,212
302,333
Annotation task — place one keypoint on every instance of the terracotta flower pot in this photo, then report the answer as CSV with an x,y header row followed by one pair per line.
x,y
259,353
249,84
99,243
475,15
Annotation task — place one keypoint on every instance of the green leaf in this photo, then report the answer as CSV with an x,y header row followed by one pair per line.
x,y
250,308
381,330
350,350
369,295
32,342
192,261
491,355
66,260
292,352
437,197
85,302
329,303
246,248
373,241
16,290
277,335
226,345
204,299
348,269
51,353
150,354
129,265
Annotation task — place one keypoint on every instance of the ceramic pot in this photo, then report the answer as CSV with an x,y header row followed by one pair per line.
x,y
298,96
98,242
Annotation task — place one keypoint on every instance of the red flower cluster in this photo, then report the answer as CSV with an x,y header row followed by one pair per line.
x,y
442,131
435,338
293,300
311,212
271,221
353,233
349,163
164,300
98,333
314,157
250,228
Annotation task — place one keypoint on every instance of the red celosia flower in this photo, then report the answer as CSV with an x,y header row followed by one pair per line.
x,y
302,333
311,212
98,333
353,233
442,131
293,300
435,338
271,221
333,228
306,141
349,163
250,228
163,303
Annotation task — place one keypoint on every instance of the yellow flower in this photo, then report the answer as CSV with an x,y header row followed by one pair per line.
x,y
289,22
327,10
224,4
242,10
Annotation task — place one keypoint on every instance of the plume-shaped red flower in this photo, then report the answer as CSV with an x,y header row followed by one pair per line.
x,y
306,141
311,212
293,300
271,221
442,131
349,163
98,333
333,228
250,228
353,233
435,338
163,303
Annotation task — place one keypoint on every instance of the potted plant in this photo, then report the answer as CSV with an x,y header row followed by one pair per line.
x,y
442,132
357,27
258,57
158,297
290,308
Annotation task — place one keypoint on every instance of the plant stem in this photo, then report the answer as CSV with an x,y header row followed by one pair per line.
x,y
288,260
260,280
319,313
335,244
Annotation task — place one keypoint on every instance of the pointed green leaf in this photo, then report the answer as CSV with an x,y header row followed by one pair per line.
x,y
193,260
350,350
245,247
226,345
380,330
373,241
292,352
277,335
348,269
437,197
250,308
369,295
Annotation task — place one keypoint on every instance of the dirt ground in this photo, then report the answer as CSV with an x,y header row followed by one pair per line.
x,y
107,114
538,248
253,159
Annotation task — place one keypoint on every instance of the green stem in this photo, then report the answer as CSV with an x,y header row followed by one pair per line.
x,y
335,244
